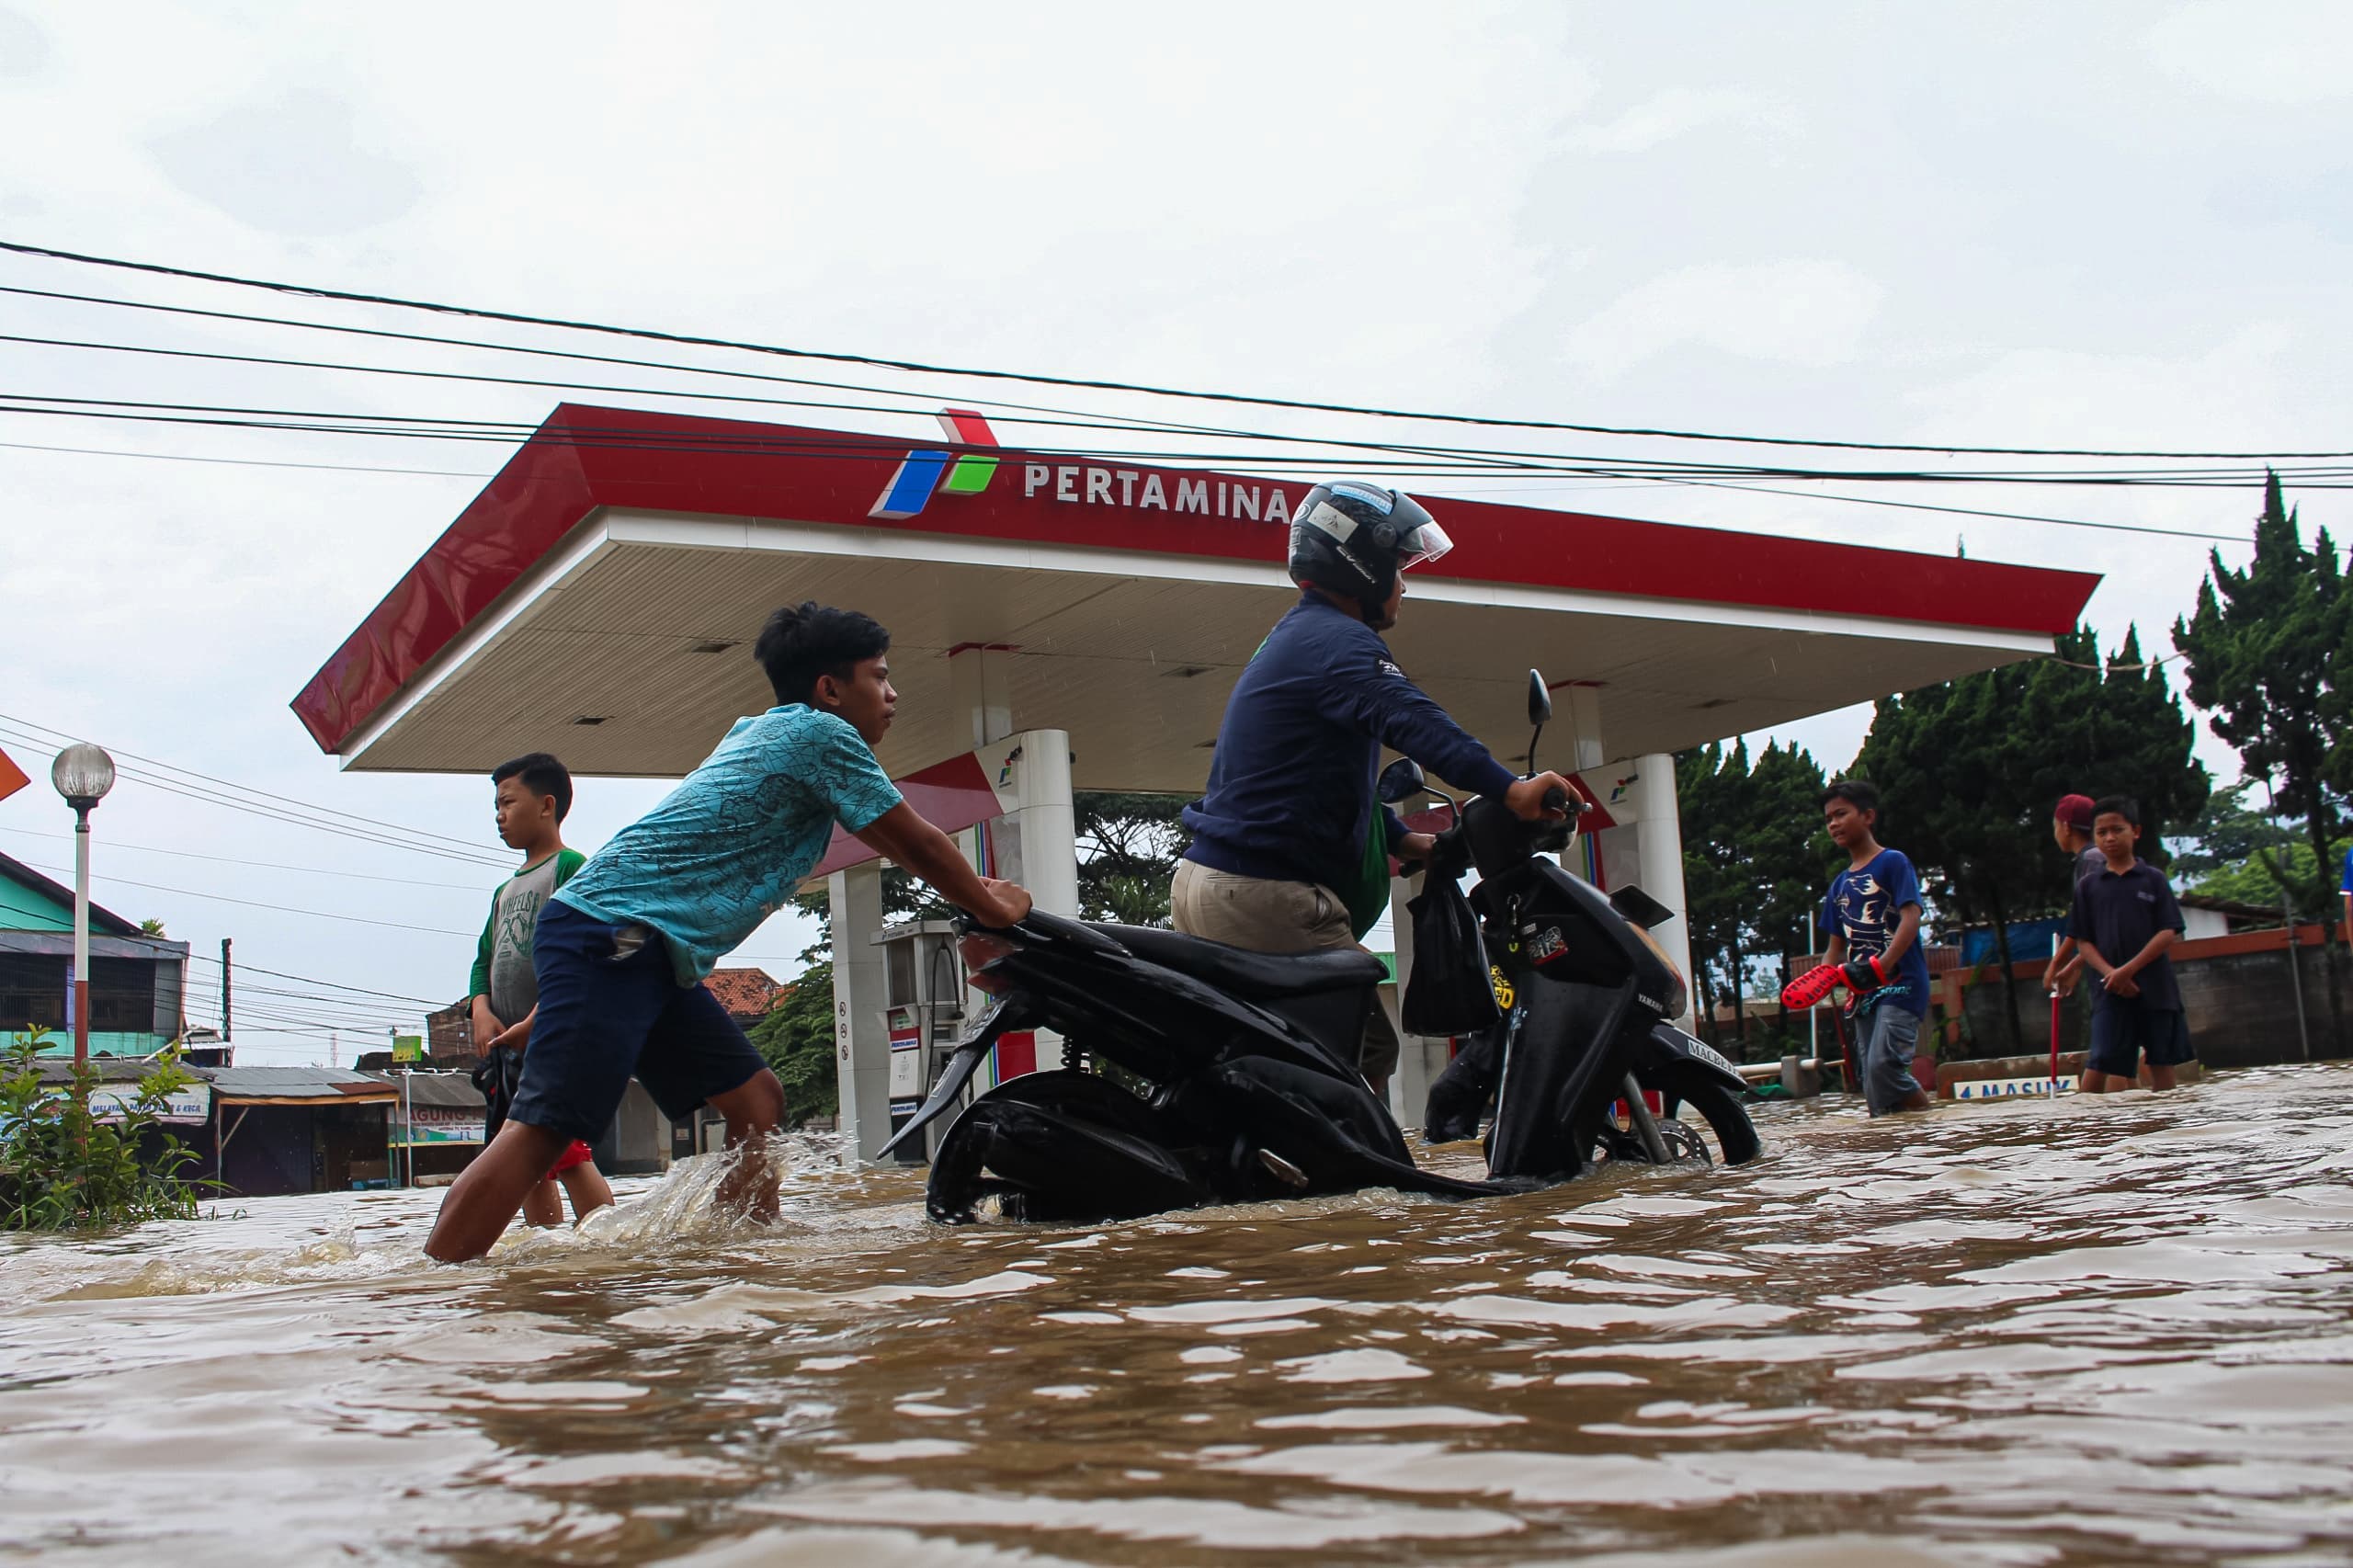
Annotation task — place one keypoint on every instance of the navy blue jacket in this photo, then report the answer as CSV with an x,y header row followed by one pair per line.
x,y
1290,793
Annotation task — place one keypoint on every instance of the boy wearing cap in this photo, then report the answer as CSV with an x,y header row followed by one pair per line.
x,y
2071,824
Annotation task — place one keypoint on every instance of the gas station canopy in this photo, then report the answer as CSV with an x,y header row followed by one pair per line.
x,y
599,597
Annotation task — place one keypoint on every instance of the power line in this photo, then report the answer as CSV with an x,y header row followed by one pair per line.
x,y
1099,384
1407,463
240,463
1125,422
113,844
1962,511
2319,480
244,968
251,903
1007,408
655,391
283,808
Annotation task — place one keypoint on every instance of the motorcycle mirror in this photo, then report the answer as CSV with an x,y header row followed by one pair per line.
x,y
1401,781
1539,707
1639,907
1539,699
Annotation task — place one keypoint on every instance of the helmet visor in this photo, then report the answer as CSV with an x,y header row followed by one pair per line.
x,y
1425,544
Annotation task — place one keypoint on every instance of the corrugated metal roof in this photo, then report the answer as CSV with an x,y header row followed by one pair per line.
x,y
293,1084
448,1089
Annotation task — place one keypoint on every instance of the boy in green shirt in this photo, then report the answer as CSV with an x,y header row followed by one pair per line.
x,y
534,794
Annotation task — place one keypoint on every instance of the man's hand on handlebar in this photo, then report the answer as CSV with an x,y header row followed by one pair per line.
x,y
1545,797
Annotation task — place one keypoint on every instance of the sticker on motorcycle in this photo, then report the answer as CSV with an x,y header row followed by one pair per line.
x,y
1546,945
1704,1053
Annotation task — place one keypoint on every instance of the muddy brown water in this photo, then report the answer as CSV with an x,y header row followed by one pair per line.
x,y
2111,1330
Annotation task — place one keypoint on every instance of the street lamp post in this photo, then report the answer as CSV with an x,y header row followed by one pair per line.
x,y
83,774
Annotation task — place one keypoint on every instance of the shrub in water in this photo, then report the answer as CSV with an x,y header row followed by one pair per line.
x,y
64,1168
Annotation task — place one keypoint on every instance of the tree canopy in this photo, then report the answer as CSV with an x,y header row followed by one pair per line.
x,y
1755,861
2269,658
796,1039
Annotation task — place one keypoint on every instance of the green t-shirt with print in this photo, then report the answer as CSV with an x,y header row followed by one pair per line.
x,y
503,960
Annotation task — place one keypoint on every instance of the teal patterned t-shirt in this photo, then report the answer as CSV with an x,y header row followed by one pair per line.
x,y
724,850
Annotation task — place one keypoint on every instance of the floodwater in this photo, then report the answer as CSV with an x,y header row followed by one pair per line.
x,y
2101,1331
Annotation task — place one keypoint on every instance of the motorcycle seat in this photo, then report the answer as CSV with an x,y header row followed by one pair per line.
x,y
1244,973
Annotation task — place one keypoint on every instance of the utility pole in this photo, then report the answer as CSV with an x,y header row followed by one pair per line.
x,y
225,1035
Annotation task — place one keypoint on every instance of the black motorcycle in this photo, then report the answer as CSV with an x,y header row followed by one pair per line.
x,y
1226,1076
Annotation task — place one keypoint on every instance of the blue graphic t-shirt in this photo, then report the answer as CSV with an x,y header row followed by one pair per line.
x,y
724,850
1865,905
2348,870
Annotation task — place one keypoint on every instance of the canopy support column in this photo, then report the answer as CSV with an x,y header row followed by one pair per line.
x,y
861,1044
1658,833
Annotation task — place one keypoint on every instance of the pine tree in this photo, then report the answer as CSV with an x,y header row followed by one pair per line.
x,y
2268,660
2271,662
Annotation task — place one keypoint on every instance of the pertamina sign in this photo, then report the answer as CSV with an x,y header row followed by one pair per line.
x,y
925,472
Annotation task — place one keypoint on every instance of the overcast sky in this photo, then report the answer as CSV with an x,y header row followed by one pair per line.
x,y
2083,226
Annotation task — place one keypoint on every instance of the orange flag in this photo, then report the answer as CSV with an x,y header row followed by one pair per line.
x,y
12,777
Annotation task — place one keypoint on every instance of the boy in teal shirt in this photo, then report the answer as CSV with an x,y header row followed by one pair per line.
x,y
534,795
622,950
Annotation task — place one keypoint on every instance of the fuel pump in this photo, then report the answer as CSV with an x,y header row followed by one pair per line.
x,y
923,992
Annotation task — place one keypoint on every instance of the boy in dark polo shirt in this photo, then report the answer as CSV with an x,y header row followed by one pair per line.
x,y
2124,920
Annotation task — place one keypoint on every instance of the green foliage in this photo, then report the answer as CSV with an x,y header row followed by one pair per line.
x,y
796,1039
2228,832
1754,861
1969,771
1128,849
62,1168
2268,657
2260,877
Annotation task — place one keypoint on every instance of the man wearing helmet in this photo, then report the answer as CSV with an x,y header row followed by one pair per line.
x,y
1288,853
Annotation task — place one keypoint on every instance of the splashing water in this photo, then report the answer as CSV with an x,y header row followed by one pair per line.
x,y
2099,1330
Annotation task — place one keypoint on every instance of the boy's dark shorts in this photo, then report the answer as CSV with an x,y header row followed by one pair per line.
x,y
2122,1031
610,1008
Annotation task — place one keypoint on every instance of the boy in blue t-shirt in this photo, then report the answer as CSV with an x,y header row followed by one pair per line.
x,y
621,949
1872,914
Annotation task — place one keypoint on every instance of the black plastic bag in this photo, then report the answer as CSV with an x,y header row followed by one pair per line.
x,y
1448,993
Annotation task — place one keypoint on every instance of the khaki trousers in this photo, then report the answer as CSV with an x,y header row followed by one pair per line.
x,y
1269,916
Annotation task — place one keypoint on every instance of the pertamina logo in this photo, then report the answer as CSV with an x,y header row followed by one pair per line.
x,y
919,472
929,470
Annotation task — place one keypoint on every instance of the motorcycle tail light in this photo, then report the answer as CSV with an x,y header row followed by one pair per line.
x,y
981,950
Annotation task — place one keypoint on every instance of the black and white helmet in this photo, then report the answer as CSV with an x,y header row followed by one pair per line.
x,y
1354,538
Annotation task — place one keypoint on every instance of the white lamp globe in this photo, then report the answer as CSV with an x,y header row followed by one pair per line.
x,y
83,774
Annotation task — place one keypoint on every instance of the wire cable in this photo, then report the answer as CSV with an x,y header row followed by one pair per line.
x,y
251,903
880,450
242,968
284,807
1097,384
113,844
